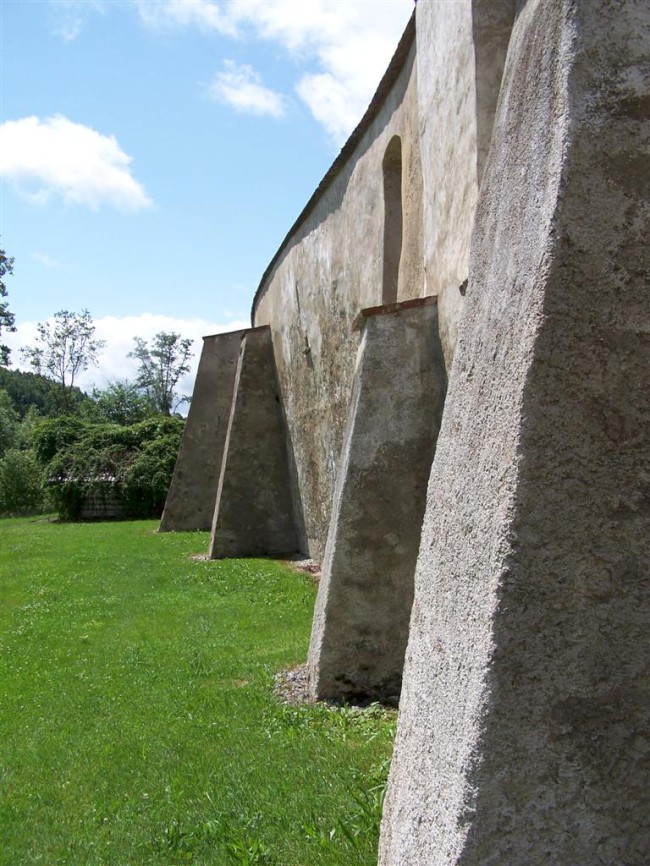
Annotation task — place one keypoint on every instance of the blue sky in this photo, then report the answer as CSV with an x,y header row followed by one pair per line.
x,y
154,153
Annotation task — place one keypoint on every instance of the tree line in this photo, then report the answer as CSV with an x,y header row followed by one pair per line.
x,y
61,447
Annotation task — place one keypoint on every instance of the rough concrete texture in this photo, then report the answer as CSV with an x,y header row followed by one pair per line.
x,y
192,494
364,599
254,512
330,267
461,49
523,731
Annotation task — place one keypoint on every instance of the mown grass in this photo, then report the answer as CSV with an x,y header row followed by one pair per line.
x,y
137,719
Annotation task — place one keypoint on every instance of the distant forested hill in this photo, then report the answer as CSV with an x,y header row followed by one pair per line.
x,y
32,389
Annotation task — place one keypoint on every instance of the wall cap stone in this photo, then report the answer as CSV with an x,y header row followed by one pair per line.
x,y
395,307
242,331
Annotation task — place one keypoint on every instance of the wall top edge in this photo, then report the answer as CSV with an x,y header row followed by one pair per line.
x,y
388,80
242,333
389,309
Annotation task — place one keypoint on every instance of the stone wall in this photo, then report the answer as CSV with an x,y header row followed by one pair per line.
x,y
504,171
439,111
404,187
461,51
330,267
525,709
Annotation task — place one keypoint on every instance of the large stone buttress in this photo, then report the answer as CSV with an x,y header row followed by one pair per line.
x,y
524,726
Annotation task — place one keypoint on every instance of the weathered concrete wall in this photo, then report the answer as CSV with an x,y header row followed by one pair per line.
x,y
193,491
461,50
254,511
332,263
328,270
364,599
524,715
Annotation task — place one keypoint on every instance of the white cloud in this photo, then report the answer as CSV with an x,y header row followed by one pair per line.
x,y
330,103
118,332
340,49
203,13
241,87
71,16
296,24
55,156
348,45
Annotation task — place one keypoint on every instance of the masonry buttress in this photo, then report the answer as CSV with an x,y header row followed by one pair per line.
x,y
364,602
254,513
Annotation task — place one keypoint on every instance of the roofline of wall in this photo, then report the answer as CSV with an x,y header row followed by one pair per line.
x,y
390,77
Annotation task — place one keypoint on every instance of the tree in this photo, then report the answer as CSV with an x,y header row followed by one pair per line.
x,y
31,420
162,363
64,349
21,482
6,317
9,423
121,402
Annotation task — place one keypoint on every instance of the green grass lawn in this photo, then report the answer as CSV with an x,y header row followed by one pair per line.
x,y
137,719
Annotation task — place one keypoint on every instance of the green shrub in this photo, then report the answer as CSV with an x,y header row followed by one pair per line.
x,y
157,427
147,479
85,461
53,435
30,422
21,483
9,423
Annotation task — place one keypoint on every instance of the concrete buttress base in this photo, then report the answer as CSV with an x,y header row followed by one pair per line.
x,y
254,510
364,601
193,491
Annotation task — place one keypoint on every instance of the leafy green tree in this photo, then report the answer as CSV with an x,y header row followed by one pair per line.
x,y
26,431
121,402
9,423
6,317
64,349
162,363
21,482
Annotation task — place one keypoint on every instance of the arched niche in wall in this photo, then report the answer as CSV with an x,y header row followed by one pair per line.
x,y
393,219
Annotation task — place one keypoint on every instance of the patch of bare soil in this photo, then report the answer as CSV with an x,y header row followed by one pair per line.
x,y
306,566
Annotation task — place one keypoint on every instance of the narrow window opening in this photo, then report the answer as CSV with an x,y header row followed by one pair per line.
x,y
393,229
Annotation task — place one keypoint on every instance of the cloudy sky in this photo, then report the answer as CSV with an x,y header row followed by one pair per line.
x,y
154,153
